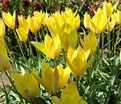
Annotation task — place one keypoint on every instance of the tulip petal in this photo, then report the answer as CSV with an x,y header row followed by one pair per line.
x,y
2,28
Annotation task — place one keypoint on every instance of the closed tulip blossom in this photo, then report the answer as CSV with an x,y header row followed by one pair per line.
x,y
118,17
23,29
54,79
9,19
51,46
90,42
112,22
108,9
26,84
33,24
77,60
69,95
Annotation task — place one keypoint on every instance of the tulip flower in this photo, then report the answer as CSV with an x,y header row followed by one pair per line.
x,y
91,42
97,23
39,17
4,61
69,95
44,19
118,17
65,24
26,85
72,21
112,22
51,46
108,8
2,28
87,20
23,29
78,61
33,24
54,79
9,19
55,23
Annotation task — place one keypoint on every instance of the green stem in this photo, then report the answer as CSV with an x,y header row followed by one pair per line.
x,y
117,38
19,44
113,43
101,61
108,40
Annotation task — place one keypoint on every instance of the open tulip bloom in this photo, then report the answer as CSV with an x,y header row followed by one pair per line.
x,y
57,79
26,84
51,46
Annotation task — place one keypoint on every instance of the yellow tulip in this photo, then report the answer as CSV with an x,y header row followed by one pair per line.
x,y
55,23
112,22
54,79
97,23
9,19
91,42
108,8
87,20
2,28
51,46
118,17
23,29
72,20
4,61
65,24
44,19
69,95
26,85
39,16
33,24
77,60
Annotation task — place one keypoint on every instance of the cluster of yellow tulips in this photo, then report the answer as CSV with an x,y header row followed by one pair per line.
x,y
105,18
62,34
